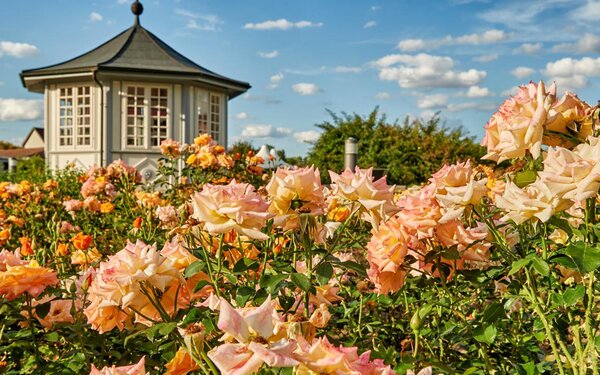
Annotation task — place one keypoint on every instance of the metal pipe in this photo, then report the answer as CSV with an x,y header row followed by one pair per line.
x,y
350,154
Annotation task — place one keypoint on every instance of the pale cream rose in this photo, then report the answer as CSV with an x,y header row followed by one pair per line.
x,y
569,175
374,199
563,117
456,188
518,126
222,208
296,189
533,202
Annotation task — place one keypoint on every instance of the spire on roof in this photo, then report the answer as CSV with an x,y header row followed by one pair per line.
x,y
137,9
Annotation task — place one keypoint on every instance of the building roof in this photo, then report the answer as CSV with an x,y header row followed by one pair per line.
x,y
21,152
40,131
137,50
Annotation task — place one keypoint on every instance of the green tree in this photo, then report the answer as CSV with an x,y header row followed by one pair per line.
x,y
4,145
410,151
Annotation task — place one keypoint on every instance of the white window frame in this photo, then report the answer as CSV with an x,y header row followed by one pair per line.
x,y
74,116
147,114
206,107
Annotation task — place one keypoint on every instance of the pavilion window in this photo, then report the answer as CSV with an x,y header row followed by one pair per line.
x,y
147,116
209,113
75,116
215,116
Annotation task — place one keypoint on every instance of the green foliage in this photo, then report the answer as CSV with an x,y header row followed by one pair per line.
x,y
4,145
410,151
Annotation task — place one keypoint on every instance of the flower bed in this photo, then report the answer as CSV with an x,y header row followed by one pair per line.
x,y
221,267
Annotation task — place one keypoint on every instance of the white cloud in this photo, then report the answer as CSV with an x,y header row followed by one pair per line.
x,y
510,92
347,69
522,72
265,131
241,116
478,92
529,48
375,8
123,1
305,89
275,80
432,101
383,96
572,73
308,71
487,37
269,55
20,109
261,98
589,12
423,70
588,43
486,58
96,17
370,24
281,24
18,50
203,22
308,136
485,107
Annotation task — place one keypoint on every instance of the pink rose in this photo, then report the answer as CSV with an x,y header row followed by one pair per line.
x,y
236,206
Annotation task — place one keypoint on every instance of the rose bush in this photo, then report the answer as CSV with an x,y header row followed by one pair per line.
x,y
218,266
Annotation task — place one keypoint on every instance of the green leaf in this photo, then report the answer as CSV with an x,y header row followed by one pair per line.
x,y
540,266
201,284
42,310
324,272
301,281
271,282
485,334
244,293
194,268
582,256
518,264
192,316
245,264
493,312
353,266
525,178
52,337
572,295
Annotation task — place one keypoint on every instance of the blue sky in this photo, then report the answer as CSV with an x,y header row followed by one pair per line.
x,y
415,58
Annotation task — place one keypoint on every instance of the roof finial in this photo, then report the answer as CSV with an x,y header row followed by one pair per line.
x,y
137,8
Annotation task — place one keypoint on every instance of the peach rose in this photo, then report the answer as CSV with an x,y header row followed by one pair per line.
x,y
170,148
386,251
181,364
322,357
374,199
456,188
296,190
533,202
28,278
249,341
135,369
569,175
231,207
518,126
420,211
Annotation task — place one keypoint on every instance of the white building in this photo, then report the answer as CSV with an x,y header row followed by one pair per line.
x,y
123,98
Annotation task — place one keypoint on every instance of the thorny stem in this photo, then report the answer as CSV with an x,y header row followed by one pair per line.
x,y
32,329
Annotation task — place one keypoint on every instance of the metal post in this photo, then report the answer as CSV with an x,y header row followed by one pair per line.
x,y
351,154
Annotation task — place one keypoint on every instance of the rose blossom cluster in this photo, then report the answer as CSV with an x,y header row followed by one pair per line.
x,y
258,336
429,219
131,281
206,153
532,117
570,173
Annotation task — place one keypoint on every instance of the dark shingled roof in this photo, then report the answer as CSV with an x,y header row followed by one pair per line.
x,y
138,50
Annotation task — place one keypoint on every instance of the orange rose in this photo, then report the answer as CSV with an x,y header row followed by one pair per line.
x,y
26,248
81,241
29,278
62,249
107,208
181,364
137,223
